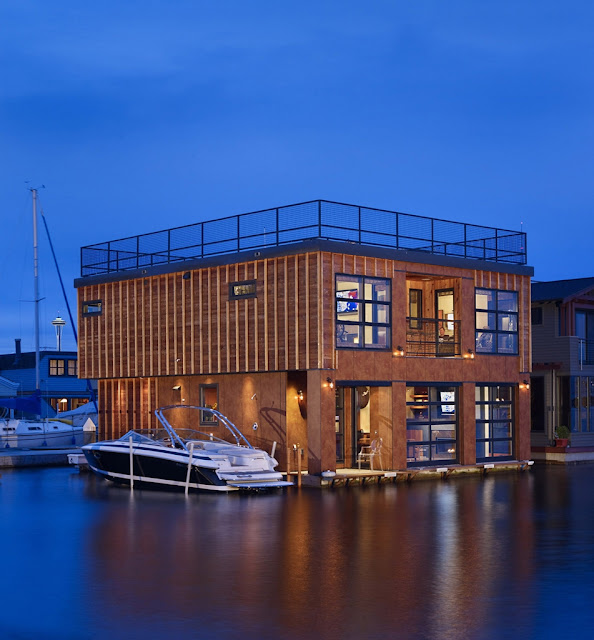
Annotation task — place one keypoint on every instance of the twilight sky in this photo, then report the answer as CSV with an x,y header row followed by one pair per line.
x,y
140,116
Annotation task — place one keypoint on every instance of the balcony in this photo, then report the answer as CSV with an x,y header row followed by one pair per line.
x,y
317,219
432,338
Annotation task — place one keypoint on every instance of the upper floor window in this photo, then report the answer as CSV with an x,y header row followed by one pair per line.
x,y
496,318
363,312
415,308
60,367
92,308
239,290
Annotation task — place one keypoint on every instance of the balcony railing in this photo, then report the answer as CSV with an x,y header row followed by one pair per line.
x,y
430,337
586,352
318,219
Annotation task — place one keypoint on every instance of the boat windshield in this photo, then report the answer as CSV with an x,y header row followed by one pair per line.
x,y
189,414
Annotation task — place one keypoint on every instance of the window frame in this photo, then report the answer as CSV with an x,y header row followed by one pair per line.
x,y
364,305
494,403
208,419
248,284
86,313
61,367
434,405
495,334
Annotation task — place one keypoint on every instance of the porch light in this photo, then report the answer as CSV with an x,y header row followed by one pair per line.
x,y
469,354
330,383
177,387
524,384
399,351
299,395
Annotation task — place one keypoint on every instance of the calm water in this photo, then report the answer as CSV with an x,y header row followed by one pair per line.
x,y
510,556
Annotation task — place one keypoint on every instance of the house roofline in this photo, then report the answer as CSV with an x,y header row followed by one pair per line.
x,y
308,246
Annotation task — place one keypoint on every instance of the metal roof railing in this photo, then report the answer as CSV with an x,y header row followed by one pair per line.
x,y
317,219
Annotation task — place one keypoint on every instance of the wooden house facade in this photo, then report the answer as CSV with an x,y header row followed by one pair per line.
x,y
322,343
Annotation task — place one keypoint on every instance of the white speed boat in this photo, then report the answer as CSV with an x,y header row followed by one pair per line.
x,y
184,458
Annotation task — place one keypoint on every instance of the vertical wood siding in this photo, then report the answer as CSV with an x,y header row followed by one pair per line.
x,y
169,325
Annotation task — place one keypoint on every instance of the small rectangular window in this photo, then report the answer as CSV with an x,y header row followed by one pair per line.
x,y
209,399
72,368
57,367
246,289
92,308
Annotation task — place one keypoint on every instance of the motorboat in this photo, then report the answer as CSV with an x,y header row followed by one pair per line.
x,y
20,433
185,458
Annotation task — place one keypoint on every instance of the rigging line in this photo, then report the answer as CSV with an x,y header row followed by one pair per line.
x,y
51,244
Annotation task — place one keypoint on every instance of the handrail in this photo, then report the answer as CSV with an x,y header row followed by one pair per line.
x,y
316,219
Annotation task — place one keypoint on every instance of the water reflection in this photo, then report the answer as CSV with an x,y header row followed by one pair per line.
x,y
467,558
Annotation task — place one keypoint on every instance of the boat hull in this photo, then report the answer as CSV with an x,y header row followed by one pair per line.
x,y
23,434
167,468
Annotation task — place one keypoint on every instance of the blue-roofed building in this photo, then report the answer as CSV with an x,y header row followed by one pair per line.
x,y
562,380
60,386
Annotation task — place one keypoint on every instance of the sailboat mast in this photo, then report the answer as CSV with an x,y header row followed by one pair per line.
x,y
36,288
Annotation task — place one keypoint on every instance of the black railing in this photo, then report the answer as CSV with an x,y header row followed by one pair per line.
x,y
429,337
317,219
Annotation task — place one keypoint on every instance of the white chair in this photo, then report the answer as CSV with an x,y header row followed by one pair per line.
x,y
374,450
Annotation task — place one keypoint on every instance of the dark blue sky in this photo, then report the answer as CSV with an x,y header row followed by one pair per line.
x,y
139,116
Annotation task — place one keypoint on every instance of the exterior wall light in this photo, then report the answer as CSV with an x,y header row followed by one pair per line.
x,y
469,354
524,384
399,351
330,383
177,387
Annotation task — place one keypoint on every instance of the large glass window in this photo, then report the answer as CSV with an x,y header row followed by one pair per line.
x,y
496,319
363,312
431,424
494,422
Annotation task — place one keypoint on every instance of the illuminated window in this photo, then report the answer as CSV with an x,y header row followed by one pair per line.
x,y
209,399
239,290
494,422
496,317
59,367
431,424
363,312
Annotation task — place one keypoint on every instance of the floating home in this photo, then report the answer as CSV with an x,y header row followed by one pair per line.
x,y
349,336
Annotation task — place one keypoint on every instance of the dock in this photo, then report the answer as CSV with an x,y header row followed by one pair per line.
x,y
16,458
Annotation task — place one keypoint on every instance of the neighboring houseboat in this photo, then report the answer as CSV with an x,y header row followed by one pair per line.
x,y
562,382
60,385
326,326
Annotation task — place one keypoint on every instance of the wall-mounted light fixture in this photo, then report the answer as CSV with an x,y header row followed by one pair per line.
x,y
469,354
399,351
177,387
302,404
254,396
524,384
330,383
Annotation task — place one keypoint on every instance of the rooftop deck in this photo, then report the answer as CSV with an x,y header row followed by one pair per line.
x,y
317,219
